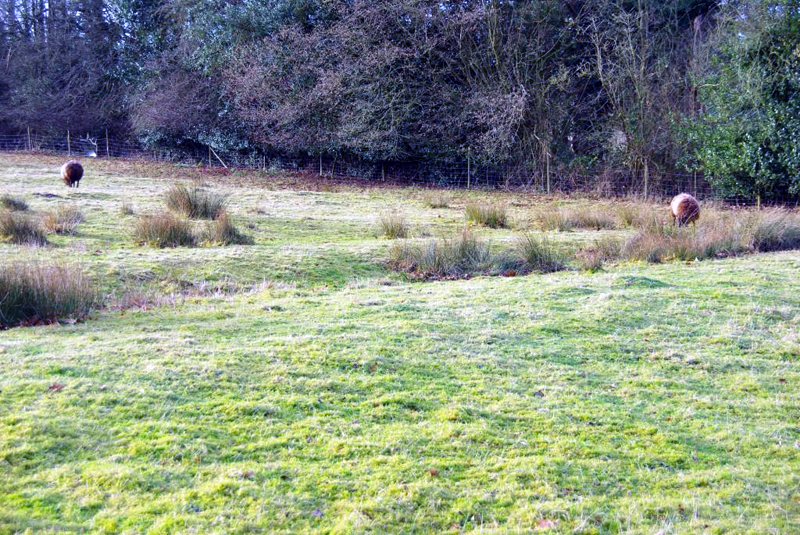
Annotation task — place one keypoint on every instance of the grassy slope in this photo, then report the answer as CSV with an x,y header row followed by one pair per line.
x,y
641,399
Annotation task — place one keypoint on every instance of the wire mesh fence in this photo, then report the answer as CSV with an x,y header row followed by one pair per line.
x,y
651,184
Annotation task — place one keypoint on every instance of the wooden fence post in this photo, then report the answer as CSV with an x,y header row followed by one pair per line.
x,y
469,166
69,149
30,144
108,151
548,172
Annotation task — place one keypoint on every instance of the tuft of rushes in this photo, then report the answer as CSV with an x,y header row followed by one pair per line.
x,y
450,258
195,203
65,220
488,215
22,229
33,293
12,203
538,254
222,231
127,209
163,230
563,219
393,225
436,200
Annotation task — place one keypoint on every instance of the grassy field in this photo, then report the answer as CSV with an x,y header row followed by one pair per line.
x,y
299,385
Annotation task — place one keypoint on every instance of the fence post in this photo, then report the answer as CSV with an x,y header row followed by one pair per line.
x,y
646,177
320,164
30,145
108,151
69,149
548,172
469,166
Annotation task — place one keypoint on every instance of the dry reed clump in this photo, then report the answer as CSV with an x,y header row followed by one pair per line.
x,y
634,214
564,219
163,230
393,225
65,220
488,215
195,203
32,293
22,229
436,200
450,258
594,256
12,203
222,231
718,234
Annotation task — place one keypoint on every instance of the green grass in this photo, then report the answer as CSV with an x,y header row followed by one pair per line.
x,y
299,385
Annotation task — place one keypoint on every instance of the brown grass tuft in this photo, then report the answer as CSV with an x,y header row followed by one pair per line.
x,y
195,203
22,229
488,215
163,230
32,293
65,220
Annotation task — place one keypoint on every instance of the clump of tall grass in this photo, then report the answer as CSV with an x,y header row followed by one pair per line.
x,y
65,220
537,254
436,200
32,293
564,219
449,258
393,225
163,230
773,230
716,235
12,203
22,229
631,214
127,209
594,256
222,231
488,215
195,203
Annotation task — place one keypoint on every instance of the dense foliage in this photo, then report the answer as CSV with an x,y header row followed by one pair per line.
x,y
748,138
572,86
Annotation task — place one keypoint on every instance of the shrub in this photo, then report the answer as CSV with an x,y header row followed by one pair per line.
x,y
21,229
14,204
163,230
436,200
489,215
393,225
65,220
33,293
222,231
195,203
455,257
127,209
537,254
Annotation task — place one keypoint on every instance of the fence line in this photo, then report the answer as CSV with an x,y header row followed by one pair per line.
x,y
453,175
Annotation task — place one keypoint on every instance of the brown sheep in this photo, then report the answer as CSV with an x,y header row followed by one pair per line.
x,y
685,209
72,172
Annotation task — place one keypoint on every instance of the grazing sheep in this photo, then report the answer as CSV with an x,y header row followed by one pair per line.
x,y
685,209
72,172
